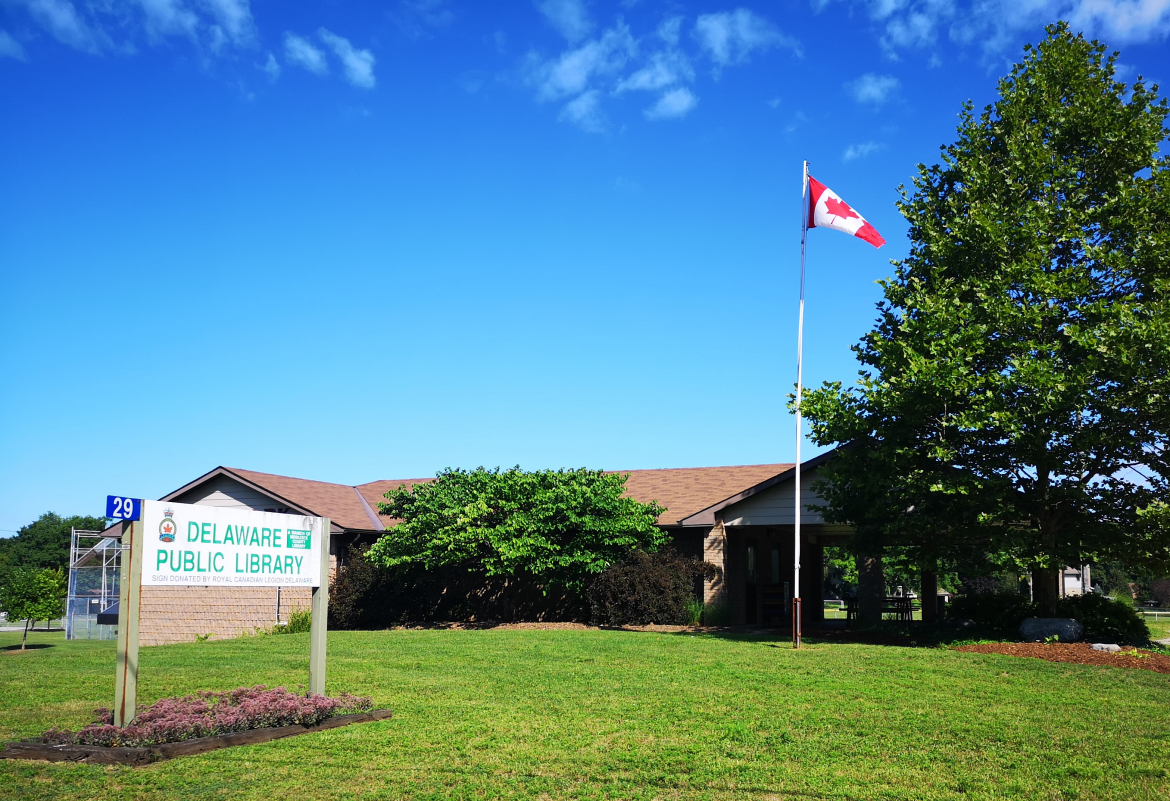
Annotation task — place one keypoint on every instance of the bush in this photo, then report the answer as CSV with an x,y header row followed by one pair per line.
x,y
300,621
1105,620
171,720
995,612
717,614
1160,590
647,588
365,595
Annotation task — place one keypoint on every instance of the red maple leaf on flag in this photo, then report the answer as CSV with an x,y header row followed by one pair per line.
x,y
839,208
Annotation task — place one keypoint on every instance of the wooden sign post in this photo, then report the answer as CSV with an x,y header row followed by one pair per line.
x,y
177,544
129,605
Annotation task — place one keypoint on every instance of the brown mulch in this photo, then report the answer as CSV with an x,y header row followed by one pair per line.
x,y
1080,653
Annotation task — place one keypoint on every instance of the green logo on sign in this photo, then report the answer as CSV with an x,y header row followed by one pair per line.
x,y
298,538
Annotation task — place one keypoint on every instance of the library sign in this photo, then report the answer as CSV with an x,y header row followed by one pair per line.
x,y
186,544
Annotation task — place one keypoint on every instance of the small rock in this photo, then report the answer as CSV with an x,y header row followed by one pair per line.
x,y
1038,629
1108,648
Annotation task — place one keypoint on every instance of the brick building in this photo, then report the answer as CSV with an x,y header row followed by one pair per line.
x,y
738,518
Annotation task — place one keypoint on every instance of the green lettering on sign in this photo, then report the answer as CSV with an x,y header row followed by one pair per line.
x,y
298,538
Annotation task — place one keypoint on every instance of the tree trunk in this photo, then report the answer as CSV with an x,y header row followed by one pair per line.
x,y
25,638
929,595
1044,589
871,589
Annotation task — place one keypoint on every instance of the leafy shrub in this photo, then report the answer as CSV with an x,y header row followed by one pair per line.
x,y
171,720
999,612
300,621
647,588
717,614
1160,590
1105,620
365,595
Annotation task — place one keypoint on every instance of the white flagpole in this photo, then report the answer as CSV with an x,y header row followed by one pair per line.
x,y
799,434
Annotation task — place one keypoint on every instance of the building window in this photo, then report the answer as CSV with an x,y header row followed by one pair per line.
x,y
775,565
751,564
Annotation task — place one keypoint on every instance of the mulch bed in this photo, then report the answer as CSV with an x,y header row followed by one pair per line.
x,y
1080,653
137,757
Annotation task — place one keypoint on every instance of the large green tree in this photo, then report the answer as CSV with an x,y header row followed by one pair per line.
x,y
31,595
44,543
1015,392
555,527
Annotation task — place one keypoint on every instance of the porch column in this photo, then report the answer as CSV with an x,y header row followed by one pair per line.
x,y
715,553
871,589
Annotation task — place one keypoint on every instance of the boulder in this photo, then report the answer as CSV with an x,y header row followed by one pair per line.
x,y
1108,648
1038,629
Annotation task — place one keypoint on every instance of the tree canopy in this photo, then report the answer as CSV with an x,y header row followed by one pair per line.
x,y
1015,392
556,527
31,594
43,543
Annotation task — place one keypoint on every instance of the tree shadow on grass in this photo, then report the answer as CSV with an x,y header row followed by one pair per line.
x,y
30,647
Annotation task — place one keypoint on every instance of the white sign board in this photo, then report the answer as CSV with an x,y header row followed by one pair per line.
x,y
185,544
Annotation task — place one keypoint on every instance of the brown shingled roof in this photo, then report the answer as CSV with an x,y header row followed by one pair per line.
x,y
683,491
686,490
336,501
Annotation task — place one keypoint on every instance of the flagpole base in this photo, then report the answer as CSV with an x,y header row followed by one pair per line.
x,y
795,622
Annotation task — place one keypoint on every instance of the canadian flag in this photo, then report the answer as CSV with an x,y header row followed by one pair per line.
x,y
826,209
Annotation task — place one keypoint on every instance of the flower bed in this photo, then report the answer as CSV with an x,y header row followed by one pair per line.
x,y
173,720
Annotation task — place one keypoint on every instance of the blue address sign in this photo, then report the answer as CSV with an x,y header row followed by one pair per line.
x,y
120,508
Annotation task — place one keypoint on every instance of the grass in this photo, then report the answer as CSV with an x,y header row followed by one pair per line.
x,y
1159,627
612,714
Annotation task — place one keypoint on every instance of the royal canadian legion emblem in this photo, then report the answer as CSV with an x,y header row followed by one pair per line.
x,y
166,529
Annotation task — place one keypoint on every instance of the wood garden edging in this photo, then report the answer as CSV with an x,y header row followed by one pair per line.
x,y
137,757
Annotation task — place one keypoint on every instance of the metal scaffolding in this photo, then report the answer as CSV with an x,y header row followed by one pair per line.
x,y
95,566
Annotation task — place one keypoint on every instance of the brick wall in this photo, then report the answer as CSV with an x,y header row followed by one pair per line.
x,y
177,614
715,552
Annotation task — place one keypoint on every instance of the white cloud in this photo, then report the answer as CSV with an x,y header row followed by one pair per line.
x,y
873,89
996,26
1124,20
672,105
417,18
61,20
303,53
233,19
664,69
569,17
860,151
168,18
271,68
730,36
570,73
358,64
584,112
101,25
669,30
9,47
774,102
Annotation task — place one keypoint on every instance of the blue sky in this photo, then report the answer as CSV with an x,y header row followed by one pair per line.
x,y
362,241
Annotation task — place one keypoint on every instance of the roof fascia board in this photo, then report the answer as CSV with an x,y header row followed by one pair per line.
x,y
224,471
369,511
706,517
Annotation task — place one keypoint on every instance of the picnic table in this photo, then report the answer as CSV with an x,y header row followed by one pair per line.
x,y
897,605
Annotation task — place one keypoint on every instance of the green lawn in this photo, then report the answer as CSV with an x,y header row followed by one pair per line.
x,y
610,714
1160,627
